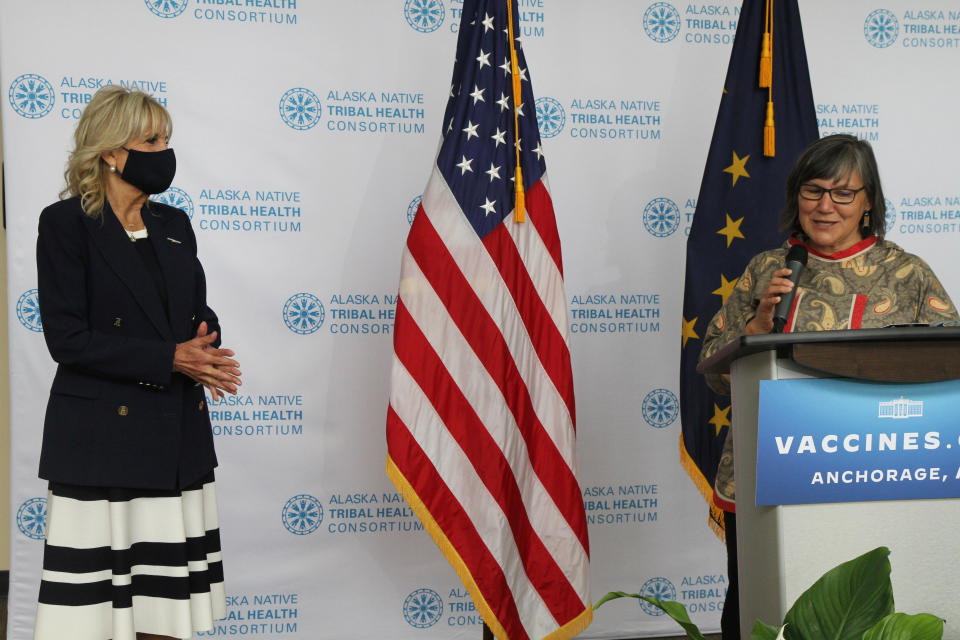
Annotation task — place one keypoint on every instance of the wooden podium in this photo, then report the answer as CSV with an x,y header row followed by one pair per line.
x,y
782,550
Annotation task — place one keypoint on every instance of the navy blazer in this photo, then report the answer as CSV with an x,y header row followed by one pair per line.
x,y
118,416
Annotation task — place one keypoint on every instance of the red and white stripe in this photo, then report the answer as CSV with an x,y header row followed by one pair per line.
x,y
481,425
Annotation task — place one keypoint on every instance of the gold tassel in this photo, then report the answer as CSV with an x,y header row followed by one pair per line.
x,y
769,134
766,50
519,210
766,62
519,213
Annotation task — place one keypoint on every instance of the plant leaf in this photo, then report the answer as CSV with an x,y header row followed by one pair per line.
x,y
763,631
900,626
673,609
845,602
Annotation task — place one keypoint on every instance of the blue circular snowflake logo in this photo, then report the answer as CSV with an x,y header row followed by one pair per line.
x,y
550,117
890,217
32,518
31,96
661,21
659,588
423,608
661,217
881,28
302,514
660,408
300,108
412,208
424,15
167,8
28,311
303,313
176,197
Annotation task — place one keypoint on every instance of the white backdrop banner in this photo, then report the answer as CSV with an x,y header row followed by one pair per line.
x,y
305,131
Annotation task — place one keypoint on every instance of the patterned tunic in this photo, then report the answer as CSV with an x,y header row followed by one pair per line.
x,y
872,284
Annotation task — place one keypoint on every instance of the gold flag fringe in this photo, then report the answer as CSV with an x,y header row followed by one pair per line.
x,y
566,632
700,482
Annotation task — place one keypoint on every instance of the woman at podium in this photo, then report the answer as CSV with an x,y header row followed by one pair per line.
x,y
853,278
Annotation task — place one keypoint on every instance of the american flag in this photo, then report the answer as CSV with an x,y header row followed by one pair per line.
x,y
481,425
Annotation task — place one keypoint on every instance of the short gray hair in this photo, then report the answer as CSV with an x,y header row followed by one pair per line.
x,y
834,158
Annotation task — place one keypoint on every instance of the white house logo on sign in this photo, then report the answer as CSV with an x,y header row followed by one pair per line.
x,y
900,408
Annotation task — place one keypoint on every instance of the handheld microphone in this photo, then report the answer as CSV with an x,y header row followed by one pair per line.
x,y
796,261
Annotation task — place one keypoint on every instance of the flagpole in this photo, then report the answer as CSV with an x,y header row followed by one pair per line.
x,y
487,634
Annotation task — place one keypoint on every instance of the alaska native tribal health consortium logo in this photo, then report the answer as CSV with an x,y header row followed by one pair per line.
x,y
914,29
32,518
700,24
661,217
253,12
423,608
660,408
698,593
358,314
28,311
32,96
428,16
178,198
348,111
302,514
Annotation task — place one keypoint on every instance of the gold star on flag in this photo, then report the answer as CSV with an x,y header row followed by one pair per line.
x,y
726,288
688,331
739,168
720,418
732,229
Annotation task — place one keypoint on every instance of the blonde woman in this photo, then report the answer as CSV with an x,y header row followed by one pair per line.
x,y
133,545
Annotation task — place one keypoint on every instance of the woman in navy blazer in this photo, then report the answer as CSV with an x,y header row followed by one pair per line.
x,y
127,445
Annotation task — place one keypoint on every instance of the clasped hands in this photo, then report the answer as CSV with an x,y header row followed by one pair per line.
x,y
214,368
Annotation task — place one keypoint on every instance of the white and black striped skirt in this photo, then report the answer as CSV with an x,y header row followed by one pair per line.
x,y
121,561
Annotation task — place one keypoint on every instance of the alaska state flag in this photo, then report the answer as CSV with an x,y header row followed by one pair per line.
x,y
738,210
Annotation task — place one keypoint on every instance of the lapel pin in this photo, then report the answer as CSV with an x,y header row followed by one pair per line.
x,y
173,240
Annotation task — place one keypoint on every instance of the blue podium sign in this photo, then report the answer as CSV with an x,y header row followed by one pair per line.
x,y
827,440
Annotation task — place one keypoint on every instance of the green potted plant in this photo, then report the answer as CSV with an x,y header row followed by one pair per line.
x,y
853,601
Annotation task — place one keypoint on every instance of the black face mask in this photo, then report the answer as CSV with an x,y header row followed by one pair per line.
x,y
150,171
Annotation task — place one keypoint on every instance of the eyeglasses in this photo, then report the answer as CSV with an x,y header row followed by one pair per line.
x,y
840,195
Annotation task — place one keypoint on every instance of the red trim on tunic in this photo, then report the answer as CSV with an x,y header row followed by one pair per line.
x,y
859,306
849,252
787,328
726,505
